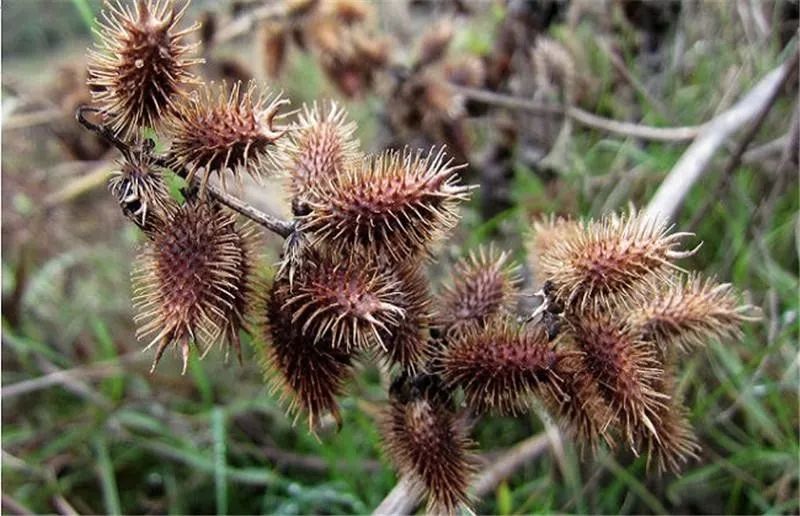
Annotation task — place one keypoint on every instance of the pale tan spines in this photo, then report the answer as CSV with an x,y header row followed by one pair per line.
x,y
579,407
225,130
499,366
483,285
350,301
187,278
320,145
428,442
407,345
545,232
626,369
395,205
140,65
308,375
690,312
606,262
138,185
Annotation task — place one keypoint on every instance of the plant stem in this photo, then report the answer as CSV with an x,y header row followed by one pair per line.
x,y
278,226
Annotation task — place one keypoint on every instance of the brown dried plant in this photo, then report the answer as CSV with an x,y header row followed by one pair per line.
x,y
598,350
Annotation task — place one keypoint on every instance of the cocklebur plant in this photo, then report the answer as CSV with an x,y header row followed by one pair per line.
x,y
598,352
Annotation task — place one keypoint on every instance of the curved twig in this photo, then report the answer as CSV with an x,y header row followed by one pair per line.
x,y
666,134
278,226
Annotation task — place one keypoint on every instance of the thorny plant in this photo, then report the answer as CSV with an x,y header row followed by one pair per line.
x,y
600,352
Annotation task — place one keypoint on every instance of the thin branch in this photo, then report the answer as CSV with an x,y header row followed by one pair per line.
x,y
736,158
278,226
691,166
665,134
245,23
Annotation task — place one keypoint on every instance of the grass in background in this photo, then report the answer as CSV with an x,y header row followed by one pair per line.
x,y
85,426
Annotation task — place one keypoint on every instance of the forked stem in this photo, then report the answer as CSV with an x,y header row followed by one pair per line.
x,y
278,226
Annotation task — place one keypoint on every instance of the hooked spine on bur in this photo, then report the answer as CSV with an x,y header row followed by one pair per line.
x,y
484,284
596,351
222,130
140,65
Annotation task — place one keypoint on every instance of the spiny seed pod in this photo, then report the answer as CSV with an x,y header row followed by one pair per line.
x,y
220,131
407,344
187,278
499,366
428,442
395,204
140,65
676,443
244,294
625,368
350,302
690,312
483,285
545,233
581,409
310,375
138,185
318,147
604,262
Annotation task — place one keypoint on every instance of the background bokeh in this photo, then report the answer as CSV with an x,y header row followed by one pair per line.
x,y
86,428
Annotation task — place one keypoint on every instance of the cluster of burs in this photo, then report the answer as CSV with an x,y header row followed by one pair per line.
x,y
614,316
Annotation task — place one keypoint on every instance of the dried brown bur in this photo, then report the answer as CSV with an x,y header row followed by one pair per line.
x,y
427,441
348,302
500,366
138,185
395,205
580,407
625,368
222,130
188,278
320,145
308,375
689,312
605,262
482,285
407,344
674,444
140,65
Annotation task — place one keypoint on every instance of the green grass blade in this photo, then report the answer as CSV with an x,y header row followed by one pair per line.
x,y
220,462
86,12
108,481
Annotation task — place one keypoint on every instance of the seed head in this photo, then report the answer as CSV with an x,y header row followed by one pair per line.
x,y
428,442
140,65
319,146
138,185
310,375
624,367
407,344
483,285
690,312
395,205
676,444
546,232
499,366
580,409
350,302
244,295
604,262
220,131
188,277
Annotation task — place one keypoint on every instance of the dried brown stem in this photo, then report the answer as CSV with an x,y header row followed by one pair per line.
x,y
278,226
666,134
